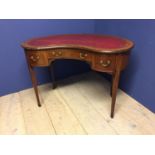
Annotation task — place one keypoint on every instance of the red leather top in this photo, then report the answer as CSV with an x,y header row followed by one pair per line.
x,y
89,41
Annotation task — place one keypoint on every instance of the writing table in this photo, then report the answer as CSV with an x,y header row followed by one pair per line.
x,y
102,52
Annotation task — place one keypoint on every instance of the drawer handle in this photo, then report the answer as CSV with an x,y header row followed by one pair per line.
x,y
53,53
34,58
105,64
59,53
83,55
56,53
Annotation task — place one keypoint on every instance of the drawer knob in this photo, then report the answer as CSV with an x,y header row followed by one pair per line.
x,y
105,64
83,55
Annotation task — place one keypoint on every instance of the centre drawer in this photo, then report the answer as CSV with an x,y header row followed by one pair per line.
x,y
70,54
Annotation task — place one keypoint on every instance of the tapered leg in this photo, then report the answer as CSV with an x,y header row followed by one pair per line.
x,y
115,83
112,78
51,72
34,83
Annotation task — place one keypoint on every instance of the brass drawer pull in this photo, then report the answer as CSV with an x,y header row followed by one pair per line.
x,y
53,53
34,58
105,64
83,55
56,53
59,53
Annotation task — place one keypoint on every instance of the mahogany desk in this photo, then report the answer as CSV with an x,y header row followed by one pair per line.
x,y
104,54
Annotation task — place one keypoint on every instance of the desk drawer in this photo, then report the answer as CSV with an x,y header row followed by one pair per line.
x,y
37,58
104,62
70,54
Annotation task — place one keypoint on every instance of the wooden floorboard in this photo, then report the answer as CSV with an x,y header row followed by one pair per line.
x,y
92,121
62,117
11,117
79,105
123,122
36,118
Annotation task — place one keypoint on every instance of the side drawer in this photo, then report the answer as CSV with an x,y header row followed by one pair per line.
x,y
37,58
104,62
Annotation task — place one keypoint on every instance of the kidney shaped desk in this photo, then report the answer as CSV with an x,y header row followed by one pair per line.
x,y
104,54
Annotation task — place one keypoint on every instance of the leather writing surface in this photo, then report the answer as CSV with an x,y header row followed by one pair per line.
x,y
99,42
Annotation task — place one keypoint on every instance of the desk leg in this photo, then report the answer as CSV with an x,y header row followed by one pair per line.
x,y
52,76
34,83
112,78
115,82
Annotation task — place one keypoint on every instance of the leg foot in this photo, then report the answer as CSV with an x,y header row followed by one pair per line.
x,y
112,115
